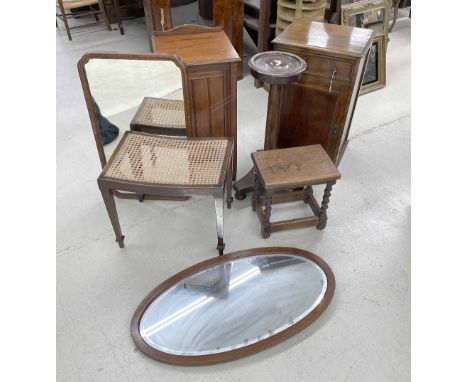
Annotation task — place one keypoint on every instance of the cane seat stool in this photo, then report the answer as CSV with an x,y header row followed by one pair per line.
x,y
285,175
169,166
160,116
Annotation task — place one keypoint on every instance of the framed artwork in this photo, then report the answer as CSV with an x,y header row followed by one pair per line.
x,y
371,14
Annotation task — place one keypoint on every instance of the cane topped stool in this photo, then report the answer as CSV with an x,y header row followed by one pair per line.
x,y
285,175
154,165
160,116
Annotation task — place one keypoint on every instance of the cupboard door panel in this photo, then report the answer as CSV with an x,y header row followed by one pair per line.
x,y
308,117
201,107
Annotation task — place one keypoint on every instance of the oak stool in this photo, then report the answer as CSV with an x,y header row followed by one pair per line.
x,y
285,175
169,166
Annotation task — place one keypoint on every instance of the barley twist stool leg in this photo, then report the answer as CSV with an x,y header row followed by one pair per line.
x,y
266,217
219,207
307,193
323,209
256,192
109,201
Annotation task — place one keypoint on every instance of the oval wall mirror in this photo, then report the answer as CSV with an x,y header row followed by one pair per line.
x,y
232,306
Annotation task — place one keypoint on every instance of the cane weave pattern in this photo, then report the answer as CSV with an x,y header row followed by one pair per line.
x,y
161,112
153,159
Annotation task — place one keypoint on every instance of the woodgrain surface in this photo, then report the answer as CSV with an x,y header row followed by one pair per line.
x,y
197,48
335,38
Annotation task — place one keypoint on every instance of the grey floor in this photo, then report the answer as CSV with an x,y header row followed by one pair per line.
x,y
364,335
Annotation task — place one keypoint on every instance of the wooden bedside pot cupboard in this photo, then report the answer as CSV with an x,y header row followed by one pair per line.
x,y
318,107
211,83
227,14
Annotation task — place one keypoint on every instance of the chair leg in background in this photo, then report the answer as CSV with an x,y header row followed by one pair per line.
x,y
109,201
64,19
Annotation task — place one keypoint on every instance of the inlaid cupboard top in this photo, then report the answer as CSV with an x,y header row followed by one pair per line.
x,y
339,39
197,48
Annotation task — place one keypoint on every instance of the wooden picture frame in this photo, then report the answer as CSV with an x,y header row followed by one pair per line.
x,y
371,14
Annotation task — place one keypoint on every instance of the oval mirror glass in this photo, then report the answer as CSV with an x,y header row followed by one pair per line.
x,y
233,305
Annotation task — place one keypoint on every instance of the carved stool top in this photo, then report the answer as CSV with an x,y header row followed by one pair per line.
x,y
294,167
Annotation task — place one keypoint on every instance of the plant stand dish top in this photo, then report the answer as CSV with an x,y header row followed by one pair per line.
x,y
232,306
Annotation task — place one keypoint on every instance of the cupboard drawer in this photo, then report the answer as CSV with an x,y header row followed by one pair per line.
x,y
323,67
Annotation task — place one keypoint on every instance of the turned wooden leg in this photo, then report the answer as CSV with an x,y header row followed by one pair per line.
x,y
266,217
219,207
256,192
229,185
109,201
323,209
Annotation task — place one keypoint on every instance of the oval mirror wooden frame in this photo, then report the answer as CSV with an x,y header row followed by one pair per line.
x,y
191,360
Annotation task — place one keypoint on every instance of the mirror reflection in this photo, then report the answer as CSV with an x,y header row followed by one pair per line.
x,y
233,304
375,19
142,95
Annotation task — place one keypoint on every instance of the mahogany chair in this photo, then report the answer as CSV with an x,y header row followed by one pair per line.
x,y
80,8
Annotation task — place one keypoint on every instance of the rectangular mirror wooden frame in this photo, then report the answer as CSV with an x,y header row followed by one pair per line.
x,y
125,56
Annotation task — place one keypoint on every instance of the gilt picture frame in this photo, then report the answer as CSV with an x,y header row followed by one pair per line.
x,y
371,14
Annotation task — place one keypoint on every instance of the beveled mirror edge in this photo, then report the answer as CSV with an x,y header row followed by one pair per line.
x,y
125,56
201,360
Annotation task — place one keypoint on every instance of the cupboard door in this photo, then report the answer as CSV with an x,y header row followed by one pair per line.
x,y
308,117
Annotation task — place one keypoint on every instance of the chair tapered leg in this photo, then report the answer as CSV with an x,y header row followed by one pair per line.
x,y
219,207
109,201
323,209
229,185
105,18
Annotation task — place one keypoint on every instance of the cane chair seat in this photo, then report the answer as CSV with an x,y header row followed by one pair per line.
x,y
150,159
72,4
160,112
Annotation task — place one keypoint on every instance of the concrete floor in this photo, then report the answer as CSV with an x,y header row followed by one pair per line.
x,y
364,335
